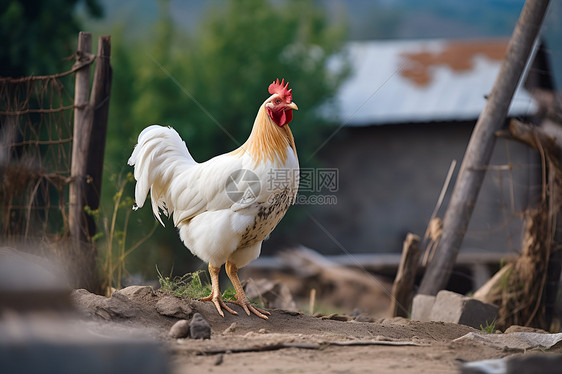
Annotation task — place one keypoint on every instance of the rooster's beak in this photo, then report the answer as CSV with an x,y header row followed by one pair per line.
x,y
293,106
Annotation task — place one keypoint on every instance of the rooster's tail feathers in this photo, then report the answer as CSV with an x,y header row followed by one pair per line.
x,y
158,156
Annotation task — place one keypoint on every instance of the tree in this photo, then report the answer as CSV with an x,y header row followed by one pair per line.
x,y
36,35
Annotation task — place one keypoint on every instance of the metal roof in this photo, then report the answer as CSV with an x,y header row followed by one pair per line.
x,y
422,81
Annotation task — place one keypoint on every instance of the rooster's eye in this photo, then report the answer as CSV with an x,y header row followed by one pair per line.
x,y
277,101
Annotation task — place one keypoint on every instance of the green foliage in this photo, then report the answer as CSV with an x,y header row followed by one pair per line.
x,y
111,239
36,35
190,286
490,328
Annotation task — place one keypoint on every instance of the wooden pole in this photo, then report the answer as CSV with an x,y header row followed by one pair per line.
x,y
480,147
403,287
80,144
99,101
82,258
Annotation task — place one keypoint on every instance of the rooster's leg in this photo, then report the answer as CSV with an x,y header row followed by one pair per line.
x,y
241,299
215,295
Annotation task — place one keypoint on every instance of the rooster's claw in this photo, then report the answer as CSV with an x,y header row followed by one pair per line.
x,y
219,304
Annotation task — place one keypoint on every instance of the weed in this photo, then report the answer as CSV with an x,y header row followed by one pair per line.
x,y
113,239
490,328
191,286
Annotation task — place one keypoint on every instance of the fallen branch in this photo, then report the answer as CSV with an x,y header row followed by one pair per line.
x,y
313,346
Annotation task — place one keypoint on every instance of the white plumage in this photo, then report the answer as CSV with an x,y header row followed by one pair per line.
x,y
223,213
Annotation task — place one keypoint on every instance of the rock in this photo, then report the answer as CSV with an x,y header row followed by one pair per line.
x,y
517,328
534,363
199,328
421,308
455,308
359,316
117,306
336,317
394,321
230,329
134,292
30,282
55,343
172,306
275,294
180,329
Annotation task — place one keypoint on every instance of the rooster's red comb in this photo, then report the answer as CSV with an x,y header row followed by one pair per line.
x,y
281,89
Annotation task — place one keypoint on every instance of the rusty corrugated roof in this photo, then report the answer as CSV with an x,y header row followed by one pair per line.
x,y
423,81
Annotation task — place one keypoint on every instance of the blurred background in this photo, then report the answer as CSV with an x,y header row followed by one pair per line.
x,y
388,93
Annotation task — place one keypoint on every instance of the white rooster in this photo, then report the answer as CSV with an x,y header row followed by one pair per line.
x,y
225,207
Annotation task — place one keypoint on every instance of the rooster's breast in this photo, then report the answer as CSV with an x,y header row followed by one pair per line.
x,y
281,192
268,216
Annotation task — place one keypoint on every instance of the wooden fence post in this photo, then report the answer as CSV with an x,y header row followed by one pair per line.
x,y
99,101
83,255
480,147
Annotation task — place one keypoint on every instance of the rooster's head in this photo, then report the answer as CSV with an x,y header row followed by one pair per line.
x,y
280,105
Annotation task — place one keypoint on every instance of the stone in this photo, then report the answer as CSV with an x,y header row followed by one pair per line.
x,y
230,329
180,329
517,328
363,317
421,307
116,306
336,317
199,328
134,292
30,282
57,343
171,306
534,363
274,294
455,308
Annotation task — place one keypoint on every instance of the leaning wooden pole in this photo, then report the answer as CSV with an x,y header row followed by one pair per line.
x,y
480,147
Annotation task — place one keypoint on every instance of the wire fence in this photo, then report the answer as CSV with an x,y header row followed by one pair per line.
x,y
36,125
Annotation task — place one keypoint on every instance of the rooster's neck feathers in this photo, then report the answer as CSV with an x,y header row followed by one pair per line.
x,y
267,141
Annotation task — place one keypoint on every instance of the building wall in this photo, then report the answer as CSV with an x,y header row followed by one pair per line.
x,y
390,178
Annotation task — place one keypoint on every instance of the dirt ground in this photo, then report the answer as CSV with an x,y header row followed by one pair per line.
x,y
291,342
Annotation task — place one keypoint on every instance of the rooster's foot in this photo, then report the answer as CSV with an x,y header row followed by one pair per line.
x,y
215,295
219,304
241,299
245,304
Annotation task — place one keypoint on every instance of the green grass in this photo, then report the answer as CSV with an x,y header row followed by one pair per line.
x,y
490,328
191,286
